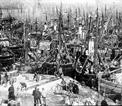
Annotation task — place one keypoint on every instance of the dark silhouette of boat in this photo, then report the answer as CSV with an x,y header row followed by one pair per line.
x,y
6,57
18,51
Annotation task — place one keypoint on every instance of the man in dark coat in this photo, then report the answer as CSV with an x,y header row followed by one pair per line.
x,y
104,102
37,96
75,89
11,95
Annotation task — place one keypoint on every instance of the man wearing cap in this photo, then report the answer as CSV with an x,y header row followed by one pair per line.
x,y
35,93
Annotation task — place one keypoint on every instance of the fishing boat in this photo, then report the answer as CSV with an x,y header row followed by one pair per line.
x,y
6,57
18,51
110,86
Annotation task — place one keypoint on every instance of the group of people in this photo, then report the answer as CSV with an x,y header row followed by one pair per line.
x,y
70,87
39,97
73,87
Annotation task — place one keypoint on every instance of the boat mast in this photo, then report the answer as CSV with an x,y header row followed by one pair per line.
x,y
25,40
1,14
46,18
36,26
24,43
76,17
59,37
68,20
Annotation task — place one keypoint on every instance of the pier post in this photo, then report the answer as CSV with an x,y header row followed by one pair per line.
x,y
99,80
121,83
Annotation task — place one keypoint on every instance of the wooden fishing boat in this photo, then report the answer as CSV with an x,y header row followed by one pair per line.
x,y
18,50
110,86
6,58
50,68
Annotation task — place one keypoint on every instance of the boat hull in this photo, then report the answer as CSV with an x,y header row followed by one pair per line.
x,y
113,87
112,90
50,68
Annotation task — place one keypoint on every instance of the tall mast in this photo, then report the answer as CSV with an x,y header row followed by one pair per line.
x,y
84,15
59,36
46,17
79,12
76,16
36,23
24,38
105,11
60,27
1,14
68,19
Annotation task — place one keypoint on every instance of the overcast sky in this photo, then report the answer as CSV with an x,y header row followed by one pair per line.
x,y
91,2
46,5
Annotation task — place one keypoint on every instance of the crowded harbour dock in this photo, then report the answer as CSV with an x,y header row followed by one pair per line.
x,y
60,53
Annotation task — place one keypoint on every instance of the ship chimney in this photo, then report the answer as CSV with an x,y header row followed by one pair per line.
x,y
91,47
81,32
55,26
45,26
80,29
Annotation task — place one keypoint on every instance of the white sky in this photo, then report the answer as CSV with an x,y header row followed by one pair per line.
x,y
46,4
88,2
82,1
64,1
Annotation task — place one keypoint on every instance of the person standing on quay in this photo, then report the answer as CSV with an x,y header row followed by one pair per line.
x,y
35,96
11,95
43,97
39,97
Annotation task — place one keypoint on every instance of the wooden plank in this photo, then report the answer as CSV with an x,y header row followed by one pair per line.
x,y
110,85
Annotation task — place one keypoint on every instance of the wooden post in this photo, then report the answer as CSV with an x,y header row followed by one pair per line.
x,y
121,84
121,96
99,78
98,90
